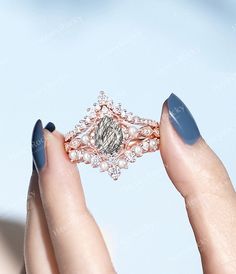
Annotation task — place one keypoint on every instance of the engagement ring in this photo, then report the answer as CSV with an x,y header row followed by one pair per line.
x,y
110,138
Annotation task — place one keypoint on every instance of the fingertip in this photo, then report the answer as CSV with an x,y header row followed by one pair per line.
x,y
164,115
37,145
57,158
188,159
182,120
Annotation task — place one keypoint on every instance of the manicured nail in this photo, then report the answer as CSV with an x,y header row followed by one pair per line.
x,y
38,143
182,120
50,126
38,149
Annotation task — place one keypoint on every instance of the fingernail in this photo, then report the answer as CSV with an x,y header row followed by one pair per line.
x,y
50,126
38,141
38,149
182,120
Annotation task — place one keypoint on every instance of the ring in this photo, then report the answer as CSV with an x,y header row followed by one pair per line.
x,y
110,138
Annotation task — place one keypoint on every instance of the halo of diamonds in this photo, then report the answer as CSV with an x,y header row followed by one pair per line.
x,y
140,136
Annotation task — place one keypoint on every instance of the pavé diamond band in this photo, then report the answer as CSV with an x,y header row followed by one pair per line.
x,y
110,138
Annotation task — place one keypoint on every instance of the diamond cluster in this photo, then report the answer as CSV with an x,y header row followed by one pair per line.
x,y
110,138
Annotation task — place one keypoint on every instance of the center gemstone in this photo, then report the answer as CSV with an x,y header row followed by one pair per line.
x,y
108,135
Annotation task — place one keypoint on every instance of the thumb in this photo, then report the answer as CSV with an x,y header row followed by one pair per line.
x,y
203,181
190,163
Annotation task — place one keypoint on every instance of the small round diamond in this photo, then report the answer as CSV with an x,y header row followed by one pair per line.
x,y
117,109
153,144
114,172
130,156
81,125
157,132
87,120
102,98
130,117
92,112
69,135
74,143
97,107
123,113
109,103
136,119
104,110
146,131
95,161
145,146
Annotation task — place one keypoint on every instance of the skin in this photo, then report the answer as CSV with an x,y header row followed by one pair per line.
x,y
62,236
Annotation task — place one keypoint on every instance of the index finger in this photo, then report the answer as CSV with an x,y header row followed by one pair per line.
x,y
78,243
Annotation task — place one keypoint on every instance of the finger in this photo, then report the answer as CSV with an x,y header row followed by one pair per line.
x,y
78,244
39,255
201,178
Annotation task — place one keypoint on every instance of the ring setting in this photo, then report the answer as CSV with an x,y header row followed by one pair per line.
x,y
110,138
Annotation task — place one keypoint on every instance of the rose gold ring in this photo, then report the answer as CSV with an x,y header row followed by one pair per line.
x,y
111,138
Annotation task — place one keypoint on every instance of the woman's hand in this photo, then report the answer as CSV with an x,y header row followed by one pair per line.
x,y
63,237
61,234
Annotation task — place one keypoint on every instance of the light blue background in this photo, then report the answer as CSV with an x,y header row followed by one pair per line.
x,y
54,58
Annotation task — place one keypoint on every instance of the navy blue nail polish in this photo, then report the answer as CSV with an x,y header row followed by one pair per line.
x,y
50,126
37,140
182,120
38,149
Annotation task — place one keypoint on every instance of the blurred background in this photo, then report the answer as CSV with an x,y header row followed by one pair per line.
x,y
55,56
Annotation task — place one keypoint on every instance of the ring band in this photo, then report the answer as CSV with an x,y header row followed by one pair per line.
x,y
111,138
